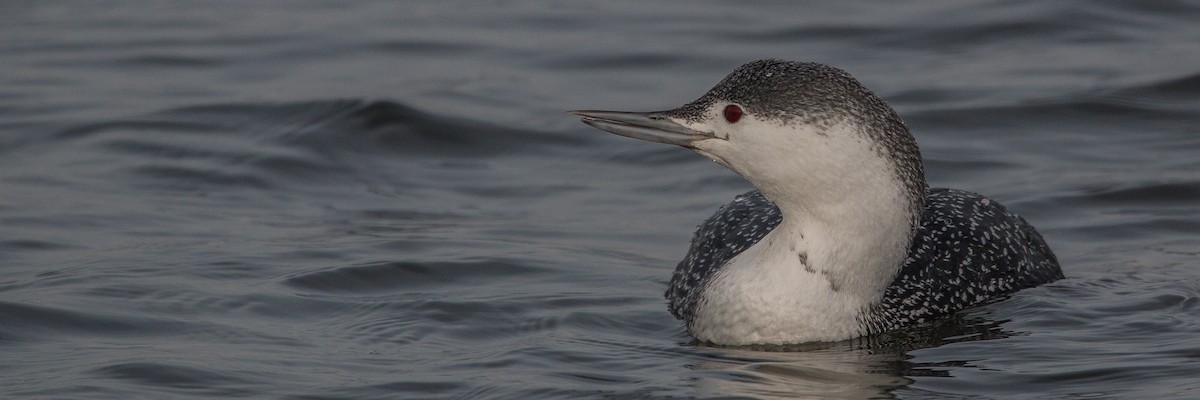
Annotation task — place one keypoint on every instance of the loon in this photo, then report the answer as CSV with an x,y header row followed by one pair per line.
x,y
842,238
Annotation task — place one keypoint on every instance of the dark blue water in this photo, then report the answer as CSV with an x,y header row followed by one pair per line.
x,y
385,200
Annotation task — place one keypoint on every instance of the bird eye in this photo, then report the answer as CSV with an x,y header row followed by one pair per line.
x,y
733,113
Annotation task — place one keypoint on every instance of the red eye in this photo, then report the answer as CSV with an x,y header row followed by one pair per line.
x,y
733,113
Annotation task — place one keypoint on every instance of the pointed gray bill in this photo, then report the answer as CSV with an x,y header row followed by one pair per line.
x,y
651,126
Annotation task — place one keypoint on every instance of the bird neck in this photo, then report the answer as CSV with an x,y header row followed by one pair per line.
x,y
811,278
856,246
850,209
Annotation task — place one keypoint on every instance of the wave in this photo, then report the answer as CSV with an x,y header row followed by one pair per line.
x,y
256,146
405,275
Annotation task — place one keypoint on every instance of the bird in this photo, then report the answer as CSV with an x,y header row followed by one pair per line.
x,y
842,238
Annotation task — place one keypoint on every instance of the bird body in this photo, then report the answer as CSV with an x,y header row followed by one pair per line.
x,y
843,237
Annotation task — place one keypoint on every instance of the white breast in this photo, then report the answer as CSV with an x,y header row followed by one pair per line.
x,y
768,295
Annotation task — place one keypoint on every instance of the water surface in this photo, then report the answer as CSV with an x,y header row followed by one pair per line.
x,y
385,200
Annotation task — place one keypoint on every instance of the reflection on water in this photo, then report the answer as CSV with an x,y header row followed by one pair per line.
x,y
859,368
829,373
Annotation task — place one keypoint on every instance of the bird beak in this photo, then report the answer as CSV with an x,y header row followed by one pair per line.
x,y
651,126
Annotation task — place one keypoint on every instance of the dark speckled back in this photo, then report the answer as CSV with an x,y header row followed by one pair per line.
x,y
968,250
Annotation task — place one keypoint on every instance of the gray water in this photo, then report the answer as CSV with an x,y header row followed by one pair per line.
x,y
319,200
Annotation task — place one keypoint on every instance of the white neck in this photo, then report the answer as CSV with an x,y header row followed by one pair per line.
x,y
844,235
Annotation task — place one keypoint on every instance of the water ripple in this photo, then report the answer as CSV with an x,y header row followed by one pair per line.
x,y
401,275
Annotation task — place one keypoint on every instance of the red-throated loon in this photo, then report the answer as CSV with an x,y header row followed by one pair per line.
x,y
842,238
